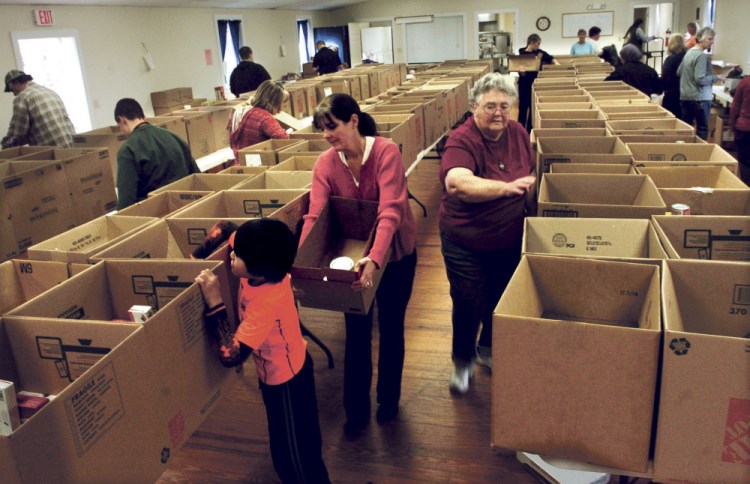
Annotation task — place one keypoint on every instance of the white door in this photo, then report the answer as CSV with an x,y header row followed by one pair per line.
x,y
377,44
53,59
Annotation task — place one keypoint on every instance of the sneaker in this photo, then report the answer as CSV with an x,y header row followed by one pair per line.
x,y
459,383
484,356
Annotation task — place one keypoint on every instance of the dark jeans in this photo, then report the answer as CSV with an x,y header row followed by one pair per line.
x,y
698,111
477,280
392,298
524,101
293,428
742,140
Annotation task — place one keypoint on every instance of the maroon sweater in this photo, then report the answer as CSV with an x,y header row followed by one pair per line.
x,y
381,179
495,224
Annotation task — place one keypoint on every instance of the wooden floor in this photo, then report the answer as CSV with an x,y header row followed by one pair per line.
x,y
436,438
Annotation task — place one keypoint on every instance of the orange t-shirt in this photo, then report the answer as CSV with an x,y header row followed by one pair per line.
x,y
270,326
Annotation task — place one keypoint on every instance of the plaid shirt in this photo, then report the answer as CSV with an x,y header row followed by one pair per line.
x,y
39,119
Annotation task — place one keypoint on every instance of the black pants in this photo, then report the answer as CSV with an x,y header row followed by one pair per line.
x,y
392,298
524,100
742,140
293,428
477,281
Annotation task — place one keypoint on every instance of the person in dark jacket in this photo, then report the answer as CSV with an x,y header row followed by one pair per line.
x,y
248,75
635,73
325,60
669,78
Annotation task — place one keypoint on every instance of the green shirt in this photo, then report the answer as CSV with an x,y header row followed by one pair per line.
x,y
151,158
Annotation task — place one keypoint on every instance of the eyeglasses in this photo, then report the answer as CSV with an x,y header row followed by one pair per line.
x,y
491,108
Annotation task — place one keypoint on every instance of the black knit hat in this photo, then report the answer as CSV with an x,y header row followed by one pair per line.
x,y
266,246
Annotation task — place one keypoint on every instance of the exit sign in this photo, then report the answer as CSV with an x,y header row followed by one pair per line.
x,y
43,17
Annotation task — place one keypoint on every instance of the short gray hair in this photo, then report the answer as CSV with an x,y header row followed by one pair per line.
x,y
703,32
493,82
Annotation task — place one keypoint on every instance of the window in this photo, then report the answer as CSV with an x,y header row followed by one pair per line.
x,y
304,41
230,40
52,58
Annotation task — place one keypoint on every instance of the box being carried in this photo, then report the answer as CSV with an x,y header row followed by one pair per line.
x,y
705,373
344,228
576,348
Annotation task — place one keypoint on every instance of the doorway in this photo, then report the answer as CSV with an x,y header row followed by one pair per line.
x,y
658,20
53,59
496,35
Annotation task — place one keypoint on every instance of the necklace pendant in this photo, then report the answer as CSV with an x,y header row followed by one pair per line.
x,y
501,165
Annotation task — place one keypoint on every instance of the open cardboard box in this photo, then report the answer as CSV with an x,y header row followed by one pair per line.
x,y
707,190
345,227
162,204
266,152
21,280
312,147
614,169
203,182
243,170
597,149
663,138
525,62
651,127
708,238
681,154
630,240
576,349
539,133
582,118
704,402
599,196
199,126
150,386
277,180
35,204
296,163
19,151
80,243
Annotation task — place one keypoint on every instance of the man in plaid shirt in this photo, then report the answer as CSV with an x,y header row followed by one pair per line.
x,y
39,115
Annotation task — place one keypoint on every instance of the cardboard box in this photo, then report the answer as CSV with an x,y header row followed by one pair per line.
x,y
166,98
635,111
217,120
617,94
243,170
174,124
400,129
308,132
19,151
22,280
154,383
35,204
725,238
329,85
598,149
707,190
681,154
277,180
203,182
169,238
629,240
526,62
311,147
664,138
344,227
241,204
651,127
199,126
599,196
613,169
89,179
539,133
80,243
162,204
265,153
704,374
418,121
296,163
110,137
586,118
552,394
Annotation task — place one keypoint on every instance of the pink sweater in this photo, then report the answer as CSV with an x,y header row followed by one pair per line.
x,y
381,179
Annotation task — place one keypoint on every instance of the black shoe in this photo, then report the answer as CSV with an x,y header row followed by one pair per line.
x,y
354,426
386,413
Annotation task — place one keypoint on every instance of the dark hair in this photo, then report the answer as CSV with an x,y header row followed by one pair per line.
x,y
245,52
270,96
320,42
533,38
581,31
594,31
267,247
631,30
129,109
342,106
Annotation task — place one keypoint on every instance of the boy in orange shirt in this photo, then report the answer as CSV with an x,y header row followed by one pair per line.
x,y
262,254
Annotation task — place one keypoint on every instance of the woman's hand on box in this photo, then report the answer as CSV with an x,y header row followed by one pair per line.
x,y
366,268
210,287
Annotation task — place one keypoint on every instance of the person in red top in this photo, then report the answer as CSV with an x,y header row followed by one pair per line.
x,y
364,166
262,254
252,122
739,119
487,172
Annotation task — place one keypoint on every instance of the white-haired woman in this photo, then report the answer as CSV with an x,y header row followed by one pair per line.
x,y
489,176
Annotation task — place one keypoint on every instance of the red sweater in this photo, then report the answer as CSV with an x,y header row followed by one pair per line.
x,y
381,179
739,116
257,125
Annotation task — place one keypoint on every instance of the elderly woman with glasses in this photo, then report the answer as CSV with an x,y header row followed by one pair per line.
x,y
488,172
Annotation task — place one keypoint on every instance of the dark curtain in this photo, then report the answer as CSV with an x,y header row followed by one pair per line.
x,y
302,24
234,28
222,37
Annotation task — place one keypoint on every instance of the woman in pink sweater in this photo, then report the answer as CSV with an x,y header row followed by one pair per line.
x,y
364,166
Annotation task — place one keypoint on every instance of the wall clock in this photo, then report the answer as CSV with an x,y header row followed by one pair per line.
x,y
542,23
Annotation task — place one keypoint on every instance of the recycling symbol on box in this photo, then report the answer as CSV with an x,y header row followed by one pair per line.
x,y
679,346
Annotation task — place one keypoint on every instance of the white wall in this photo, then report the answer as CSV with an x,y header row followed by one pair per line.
x,y
112,53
